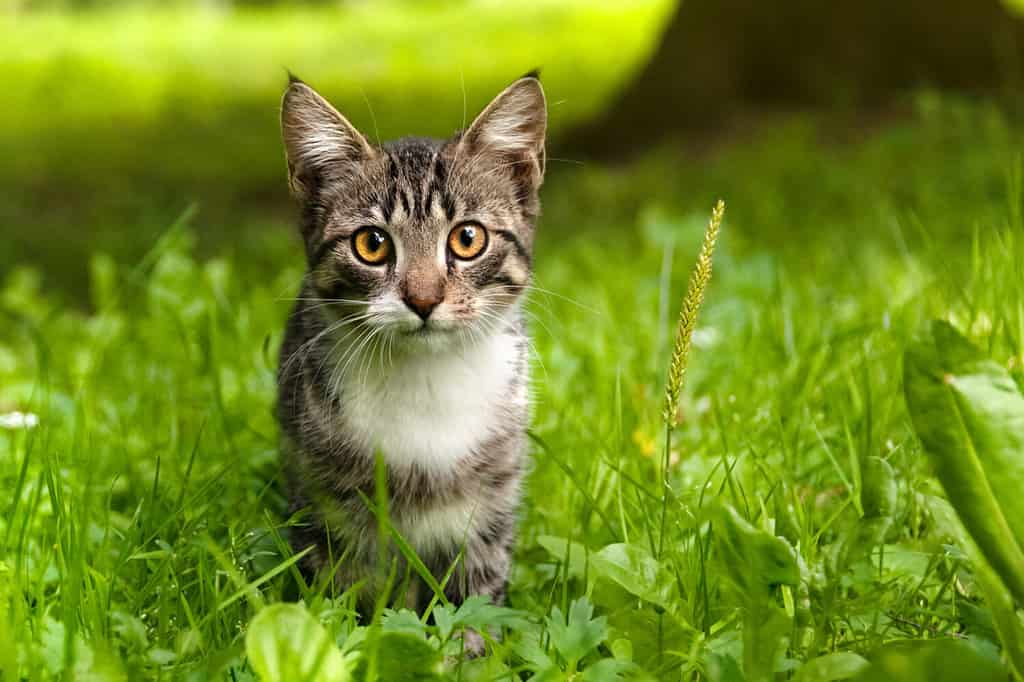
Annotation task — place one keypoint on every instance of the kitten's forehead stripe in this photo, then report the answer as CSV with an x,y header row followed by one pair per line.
x,y
404,195
413,157
416,180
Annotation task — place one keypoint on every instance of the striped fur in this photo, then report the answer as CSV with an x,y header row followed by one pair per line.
x,y
442,398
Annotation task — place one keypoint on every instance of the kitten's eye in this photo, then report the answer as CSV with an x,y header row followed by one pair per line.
x,y
372,245
467,240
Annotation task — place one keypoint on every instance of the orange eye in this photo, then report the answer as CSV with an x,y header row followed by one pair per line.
x,y
372,245
467,241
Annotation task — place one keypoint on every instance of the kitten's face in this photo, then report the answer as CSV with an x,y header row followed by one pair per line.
x,y
426,242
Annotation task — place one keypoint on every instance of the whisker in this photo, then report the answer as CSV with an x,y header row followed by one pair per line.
x,y
548,292
307,345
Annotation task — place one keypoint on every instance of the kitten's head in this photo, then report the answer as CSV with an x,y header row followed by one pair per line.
x,y
426,241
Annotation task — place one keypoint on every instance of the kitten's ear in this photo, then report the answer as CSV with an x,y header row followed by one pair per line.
x,y
316,137
511,131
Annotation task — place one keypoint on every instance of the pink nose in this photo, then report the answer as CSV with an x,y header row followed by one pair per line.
x,y
422,306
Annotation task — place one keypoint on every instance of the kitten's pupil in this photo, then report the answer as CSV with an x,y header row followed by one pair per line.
x,y
467,236
375,240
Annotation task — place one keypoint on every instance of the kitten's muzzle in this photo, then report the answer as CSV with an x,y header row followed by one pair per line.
x,y
422,306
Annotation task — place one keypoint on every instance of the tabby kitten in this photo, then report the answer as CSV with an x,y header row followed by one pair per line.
x,y
407,339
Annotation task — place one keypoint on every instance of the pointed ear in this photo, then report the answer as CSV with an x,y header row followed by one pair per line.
x,y
511,132
316,137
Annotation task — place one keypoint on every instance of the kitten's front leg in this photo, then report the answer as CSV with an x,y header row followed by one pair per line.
x,y
483,570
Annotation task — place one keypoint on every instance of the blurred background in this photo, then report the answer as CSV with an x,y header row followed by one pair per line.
x,y
122,118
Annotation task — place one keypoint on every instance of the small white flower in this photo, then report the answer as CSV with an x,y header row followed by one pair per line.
x,y
18,420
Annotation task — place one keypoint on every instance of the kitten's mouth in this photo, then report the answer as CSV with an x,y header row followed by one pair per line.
x,y
424,330
419,331
427,332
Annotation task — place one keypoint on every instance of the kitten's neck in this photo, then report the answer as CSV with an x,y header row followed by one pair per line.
x,y
433,405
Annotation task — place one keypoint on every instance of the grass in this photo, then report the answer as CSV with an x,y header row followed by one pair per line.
x,y
143,533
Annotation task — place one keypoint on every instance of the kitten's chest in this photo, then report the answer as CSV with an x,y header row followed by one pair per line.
x,y
435,409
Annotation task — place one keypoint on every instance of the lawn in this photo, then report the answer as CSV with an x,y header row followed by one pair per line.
x,y
794,529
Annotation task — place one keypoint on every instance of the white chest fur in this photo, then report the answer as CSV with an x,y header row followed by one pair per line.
x,y
433,408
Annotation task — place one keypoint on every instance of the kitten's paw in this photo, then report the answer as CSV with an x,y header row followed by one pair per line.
x,y
473,644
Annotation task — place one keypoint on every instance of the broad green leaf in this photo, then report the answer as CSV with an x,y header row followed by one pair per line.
x,y
765,628
478,612
840,666
88,665
402,657
939,660
1004,616
724,668
403,620
608,670
969,415
634,569
485,669
578,634
901,562
549,674
999,613
649,632
530,649
563,550
286,643
444,618
752,559
622,649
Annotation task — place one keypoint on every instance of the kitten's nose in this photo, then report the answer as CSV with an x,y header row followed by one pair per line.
x,y
422,306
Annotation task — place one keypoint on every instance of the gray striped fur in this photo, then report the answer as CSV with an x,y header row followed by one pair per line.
x,y
348,343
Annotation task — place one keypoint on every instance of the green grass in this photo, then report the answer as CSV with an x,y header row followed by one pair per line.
x,y
143,532
145,528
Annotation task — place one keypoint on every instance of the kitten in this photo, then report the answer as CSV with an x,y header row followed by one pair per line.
x,y
408,340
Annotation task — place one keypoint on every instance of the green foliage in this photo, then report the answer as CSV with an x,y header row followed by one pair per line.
x,y
634,569
576,634
945,660
146,533
285,642
794,529
754,562
841,666
403,657
969,413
